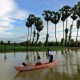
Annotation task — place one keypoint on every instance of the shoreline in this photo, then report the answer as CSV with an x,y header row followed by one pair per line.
x,y
18,48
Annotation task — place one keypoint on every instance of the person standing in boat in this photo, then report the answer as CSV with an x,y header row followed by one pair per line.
x,y
50,53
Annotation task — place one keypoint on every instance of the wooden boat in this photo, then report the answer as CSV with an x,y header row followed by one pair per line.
x,y
28,67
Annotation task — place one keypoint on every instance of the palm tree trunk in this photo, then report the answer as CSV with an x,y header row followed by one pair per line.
x,y
47,33
37,37
47,27
28,35
66,23
63,29
70,33
27,39
31,34
72,27
66,28
55,33
66,34
77,35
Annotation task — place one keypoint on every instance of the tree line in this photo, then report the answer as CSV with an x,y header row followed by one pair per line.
x,y
62,14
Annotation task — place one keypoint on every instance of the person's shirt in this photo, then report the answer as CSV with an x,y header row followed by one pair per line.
x,y
38,60
21,65
50,53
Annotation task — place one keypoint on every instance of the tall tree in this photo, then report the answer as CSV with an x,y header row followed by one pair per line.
x,y
74,17
55,19
39,27
28,24
34,32
31,19
78,21
63,20
78,26
47,16
78,9
67,13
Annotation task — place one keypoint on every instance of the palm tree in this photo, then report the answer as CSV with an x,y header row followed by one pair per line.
x,y
70,34
67,12
31,20
63,20
38,32
74,14
47,15
78,21
74,17
28,24
34,32
78,26
78,9
39,27
55,19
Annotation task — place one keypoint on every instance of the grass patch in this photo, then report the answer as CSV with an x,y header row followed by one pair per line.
x,y
9,48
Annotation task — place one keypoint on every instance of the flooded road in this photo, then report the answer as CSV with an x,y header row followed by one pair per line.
x,y
67,68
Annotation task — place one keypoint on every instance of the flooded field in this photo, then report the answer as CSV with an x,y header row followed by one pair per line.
x,y
67,68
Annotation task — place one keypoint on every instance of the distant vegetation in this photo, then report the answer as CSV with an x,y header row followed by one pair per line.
x,y
26,46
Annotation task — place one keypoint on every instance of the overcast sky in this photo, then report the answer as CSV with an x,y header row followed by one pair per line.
x,y
13,14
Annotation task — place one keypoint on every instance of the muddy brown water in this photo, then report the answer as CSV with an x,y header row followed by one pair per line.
x,y
67,68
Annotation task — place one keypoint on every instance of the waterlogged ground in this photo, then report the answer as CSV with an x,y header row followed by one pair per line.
x,y
67,68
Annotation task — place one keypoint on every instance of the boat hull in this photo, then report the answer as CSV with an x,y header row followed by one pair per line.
x,y
28,68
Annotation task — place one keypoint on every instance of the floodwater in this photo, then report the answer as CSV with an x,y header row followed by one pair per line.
x,y
67,68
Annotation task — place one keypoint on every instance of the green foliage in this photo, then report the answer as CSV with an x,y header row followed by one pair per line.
x,y
47,15
55,17
78,9
62,41
1,42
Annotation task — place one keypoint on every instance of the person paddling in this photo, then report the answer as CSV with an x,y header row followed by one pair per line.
x,y
50,53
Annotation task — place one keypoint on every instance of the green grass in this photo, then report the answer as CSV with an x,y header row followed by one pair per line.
x,y
10,48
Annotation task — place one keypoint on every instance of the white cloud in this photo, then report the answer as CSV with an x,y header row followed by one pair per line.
x,y
9,11
6,6
21,14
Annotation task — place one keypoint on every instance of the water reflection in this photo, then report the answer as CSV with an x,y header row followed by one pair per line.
x,y
65,70
46,74
68,67
35,74
14,54
5,57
